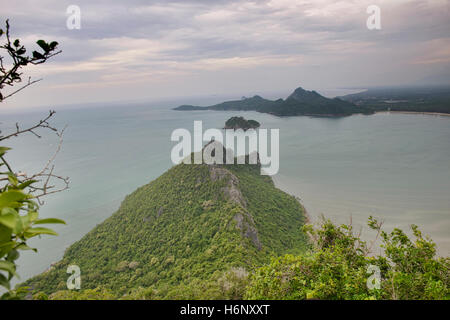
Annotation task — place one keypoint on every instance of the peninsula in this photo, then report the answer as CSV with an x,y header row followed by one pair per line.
x,y
300,103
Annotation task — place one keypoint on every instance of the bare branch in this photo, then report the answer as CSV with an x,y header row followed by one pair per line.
x,y
45,181
372,243
23,87
6,164
41,124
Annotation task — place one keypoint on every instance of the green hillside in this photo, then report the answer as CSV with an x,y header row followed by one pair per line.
x,y
225,232
187,228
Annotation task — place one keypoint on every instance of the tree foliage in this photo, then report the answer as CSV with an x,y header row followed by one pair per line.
x,y
179,236
340,267
19,217
10,74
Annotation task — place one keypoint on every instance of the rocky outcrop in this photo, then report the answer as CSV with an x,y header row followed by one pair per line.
x,y
160,211
246,224
231,192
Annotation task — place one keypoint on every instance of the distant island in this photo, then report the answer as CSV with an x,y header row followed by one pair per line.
x,y
300,103
420,99
241,123
434,100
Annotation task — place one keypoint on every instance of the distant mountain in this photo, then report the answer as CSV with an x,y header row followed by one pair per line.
x,y
303,102
183,234
300,102
434,99
255,103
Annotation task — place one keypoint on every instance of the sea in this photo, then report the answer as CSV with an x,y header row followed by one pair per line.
x,y
395,167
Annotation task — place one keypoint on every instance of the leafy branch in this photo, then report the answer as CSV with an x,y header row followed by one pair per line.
x,y
10,73
20,194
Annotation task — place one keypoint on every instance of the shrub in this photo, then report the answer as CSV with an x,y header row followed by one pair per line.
x,y
341,267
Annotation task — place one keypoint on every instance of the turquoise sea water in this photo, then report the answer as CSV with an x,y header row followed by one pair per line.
x,y
392,166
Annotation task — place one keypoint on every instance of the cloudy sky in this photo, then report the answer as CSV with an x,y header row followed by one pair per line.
x,y
151,50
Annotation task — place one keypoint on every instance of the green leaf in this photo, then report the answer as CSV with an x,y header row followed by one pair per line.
x,y
53,45
10,198
13,255
37,231
8,210
24,247
6,247
49,220
6,244
26,184
21,51
9,220
13,179
37,55
5,234
4,282
3,150
20,223
8,266
32,216
43,45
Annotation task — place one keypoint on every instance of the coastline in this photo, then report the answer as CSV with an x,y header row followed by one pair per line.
x,y
417,112
305,212
308,220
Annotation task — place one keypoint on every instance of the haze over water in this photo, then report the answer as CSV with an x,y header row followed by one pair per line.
x,y
392,166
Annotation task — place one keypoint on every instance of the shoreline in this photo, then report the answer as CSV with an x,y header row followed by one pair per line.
x,y
439,114
308,220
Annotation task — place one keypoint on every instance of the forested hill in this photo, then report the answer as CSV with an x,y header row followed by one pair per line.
x,y
182,234
300,102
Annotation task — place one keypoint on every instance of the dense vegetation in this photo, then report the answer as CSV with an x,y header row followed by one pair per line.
x,y
19,222
300,102
184,235
241,123
342,266
411,99
225,232
339,266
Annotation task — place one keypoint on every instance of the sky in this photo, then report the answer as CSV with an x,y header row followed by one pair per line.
x,y
153,50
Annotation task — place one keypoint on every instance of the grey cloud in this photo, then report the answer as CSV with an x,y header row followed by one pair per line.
x,y
170,37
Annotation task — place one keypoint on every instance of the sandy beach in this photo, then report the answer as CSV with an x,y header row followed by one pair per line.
x,y
416,112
